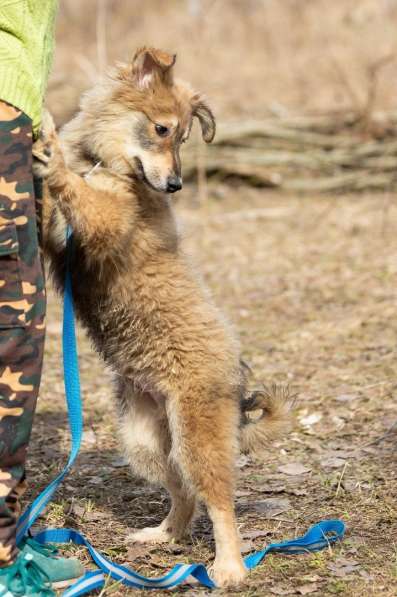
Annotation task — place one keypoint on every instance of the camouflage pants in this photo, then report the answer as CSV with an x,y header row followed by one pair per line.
x,y
22,312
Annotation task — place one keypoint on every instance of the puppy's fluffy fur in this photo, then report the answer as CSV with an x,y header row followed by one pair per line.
x,y
180,383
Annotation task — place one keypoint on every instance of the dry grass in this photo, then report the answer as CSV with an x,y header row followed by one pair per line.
x,y
251,56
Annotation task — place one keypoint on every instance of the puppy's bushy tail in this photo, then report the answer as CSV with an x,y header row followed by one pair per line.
x,y
265,415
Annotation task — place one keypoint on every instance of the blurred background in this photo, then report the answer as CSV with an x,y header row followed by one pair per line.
x,y
252,57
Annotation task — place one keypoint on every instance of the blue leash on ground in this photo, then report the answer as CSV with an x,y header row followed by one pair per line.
x,y
318,537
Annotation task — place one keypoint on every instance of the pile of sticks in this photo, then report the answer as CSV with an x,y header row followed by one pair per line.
x,y
326,153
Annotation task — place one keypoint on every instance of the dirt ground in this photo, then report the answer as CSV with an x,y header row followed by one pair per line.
x,y
310,286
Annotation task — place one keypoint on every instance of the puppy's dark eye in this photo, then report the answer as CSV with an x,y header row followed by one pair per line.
x,y
161,130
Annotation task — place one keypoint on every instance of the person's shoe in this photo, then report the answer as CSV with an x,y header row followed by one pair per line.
x,y
60,571
24,578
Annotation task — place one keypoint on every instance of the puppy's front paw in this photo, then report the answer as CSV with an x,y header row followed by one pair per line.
x,y
41,159
228,573
44,148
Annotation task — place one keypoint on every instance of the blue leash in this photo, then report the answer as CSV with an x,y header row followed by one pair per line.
x,y
73,399
318,537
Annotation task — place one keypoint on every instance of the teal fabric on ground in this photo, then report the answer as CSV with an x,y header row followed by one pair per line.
x,y
24,579
57,569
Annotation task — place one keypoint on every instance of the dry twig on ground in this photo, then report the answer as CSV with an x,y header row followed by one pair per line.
x,y
329,153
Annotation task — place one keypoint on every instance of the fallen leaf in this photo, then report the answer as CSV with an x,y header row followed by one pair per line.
x,y
297,491
255,534
158,561
136,551
364,574
271,507
333,462
343,567
357,540
278,488
346,562
310,420
242,493
338,421
77,510
347,397
294,468
69,487
306,589
95,515
311,578
280,591
95,480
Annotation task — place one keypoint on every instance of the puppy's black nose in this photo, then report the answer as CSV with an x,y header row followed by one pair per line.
x,y
174,183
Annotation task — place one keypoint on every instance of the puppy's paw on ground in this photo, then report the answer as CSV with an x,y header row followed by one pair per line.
x,y
150,535
228,573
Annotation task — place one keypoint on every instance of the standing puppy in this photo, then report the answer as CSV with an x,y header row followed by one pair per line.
x,y
180,382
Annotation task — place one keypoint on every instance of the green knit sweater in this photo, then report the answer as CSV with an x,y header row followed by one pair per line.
x,y
26,48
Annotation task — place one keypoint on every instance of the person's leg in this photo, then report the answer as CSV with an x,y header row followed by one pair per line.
x,y
22,313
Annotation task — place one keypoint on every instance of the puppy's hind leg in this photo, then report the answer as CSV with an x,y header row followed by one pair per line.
x,y
174,526
204,424
147,441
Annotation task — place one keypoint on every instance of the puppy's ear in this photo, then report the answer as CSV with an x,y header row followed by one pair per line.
x,y
203,112
150,65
